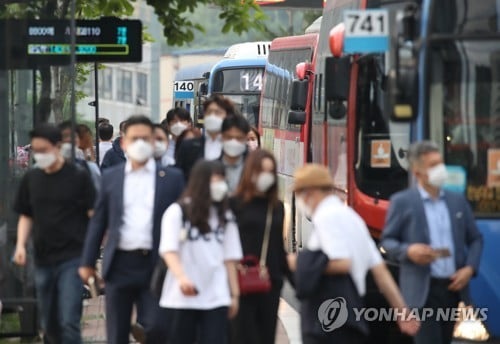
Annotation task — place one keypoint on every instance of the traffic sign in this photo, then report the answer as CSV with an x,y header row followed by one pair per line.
x,y
32,43
366,31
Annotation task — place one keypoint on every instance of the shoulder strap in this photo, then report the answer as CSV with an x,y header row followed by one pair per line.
x,y
267,234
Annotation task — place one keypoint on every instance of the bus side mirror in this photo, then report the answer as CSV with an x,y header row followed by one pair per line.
x,y
337,83
203,89
300,89
403,78
297,117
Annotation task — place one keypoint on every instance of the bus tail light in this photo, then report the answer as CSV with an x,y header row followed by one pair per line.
x,y
336,40
302,69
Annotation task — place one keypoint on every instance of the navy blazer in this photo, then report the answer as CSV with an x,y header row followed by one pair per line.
x,y
108,212
406,224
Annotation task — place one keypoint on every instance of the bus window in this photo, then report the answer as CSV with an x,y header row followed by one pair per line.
x,y
464,110
280,72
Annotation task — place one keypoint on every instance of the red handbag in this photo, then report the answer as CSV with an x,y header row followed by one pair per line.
x,y
253,276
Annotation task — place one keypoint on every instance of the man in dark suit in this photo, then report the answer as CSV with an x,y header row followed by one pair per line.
x,y
432,234
115,155
208,146
129,209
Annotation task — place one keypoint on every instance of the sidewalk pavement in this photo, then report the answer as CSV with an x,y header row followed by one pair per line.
x,y
94,323
289,323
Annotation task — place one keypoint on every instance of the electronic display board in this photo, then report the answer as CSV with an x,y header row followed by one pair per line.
x,y
33,43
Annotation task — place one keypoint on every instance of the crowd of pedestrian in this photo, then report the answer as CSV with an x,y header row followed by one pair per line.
x,y
207,206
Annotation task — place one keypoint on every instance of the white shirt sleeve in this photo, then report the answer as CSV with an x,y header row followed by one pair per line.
x,y
332,238
171,226
232,243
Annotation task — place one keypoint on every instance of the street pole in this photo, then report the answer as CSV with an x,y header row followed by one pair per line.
x,y
73,77
34,99
96,104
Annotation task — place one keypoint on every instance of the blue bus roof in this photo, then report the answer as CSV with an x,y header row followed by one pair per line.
x,y
194,72
233,63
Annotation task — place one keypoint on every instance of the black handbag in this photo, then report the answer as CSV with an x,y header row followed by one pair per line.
x,y
160,270
158,277
313,288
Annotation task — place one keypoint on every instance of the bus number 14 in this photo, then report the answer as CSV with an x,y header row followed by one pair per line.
x,y
252,82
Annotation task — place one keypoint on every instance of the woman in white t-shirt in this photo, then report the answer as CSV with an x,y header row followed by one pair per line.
x,y
201,246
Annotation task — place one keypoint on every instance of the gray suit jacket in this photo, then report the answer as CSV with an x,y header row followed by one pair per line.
x,y
406,224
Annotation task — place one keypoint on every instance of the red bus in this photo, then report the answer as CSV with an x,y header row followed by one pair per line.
x,y
367,107
286,100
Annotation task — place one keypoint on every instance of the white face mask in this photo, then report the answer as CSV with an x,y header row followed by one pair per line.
x,y
160,149
233,148
303,207
66,152
265,181
253,145
140,151
437,175
44,160
178,128
213,123
218,190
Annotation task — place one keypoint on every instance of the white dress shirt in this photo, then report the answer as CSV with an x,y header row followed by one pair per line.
x,y
136,231
213,148
171,148
342,234
104,147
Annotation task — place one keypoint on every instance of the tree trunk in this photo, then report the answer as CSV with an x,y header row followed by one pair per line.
x,y
44,103
62,90
50,75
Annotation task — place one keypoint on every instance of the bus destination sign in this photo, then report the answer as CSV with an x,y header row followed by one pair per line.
x,y
33,43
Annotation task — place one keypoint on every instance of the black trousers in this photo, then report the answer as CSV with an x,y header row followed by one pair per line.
x,y
257,317
126,285
189,326
343,335
432,330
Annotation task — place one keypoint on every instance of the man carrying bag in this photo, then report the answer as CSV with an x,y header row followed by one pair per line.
x,y
331,271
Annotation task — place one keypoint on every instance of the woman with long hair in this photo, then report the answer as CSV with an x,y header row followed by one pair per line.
x,y
253,139
256,195
201,247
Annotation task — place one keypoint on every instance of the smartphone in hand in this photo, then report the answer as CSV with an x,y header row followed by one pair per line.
x,y
442,252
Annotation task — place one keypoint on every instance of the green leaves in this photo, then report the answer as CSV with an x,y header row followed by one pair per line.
x,y
238,15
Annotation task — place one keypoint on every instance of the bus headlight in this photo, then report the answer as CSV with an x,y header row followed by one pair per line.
x,y
470,328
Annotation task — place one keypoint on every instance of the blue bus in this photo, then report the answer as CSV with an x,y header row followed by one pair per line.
x,y
239,77
190,88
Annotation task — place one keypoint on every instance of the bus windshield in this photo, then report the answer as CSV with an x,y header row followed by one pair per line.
x,y
381,167
248,105
243,87
464,113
